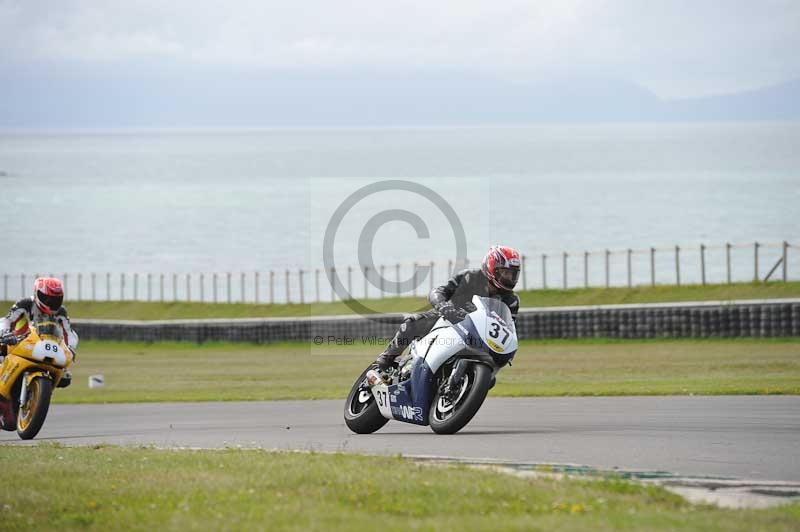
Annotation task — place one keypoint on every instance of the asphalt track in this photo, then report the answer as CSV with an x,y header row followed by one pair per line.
x,y
739,437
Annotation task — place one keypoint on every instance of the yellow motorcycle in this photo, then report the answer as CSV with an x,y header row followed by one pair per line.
x,y
31,369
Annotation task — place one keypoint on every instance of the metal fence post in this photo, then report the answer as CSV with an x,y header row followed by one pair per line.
x,y
94,286
450,268
288,293
22,285
302,290
174,287
703,263
544,270
608,273
383,288
65,281
586,269
755,261
678,265
256,297
785,258
161,287
431,274
214,287
80,285
108,286
630,269
122,287
316,285
397,277
365,270
333,282
228,287
135,286
242,287
564,270
414,280
189,287
272,287
149,287
202,288
728,261
350,282
5,287
652,266
524,277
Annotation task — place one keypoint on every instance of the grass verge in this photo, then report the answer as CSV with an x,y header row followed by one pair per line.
x,y
113,488
130,310
234,372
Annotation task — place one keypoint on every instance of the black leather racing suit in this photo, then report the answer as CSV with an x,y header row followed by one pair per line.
x,y
459,291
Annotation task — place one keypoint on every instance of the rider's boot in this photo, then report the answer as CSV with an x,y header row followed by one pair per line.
x,y
66,379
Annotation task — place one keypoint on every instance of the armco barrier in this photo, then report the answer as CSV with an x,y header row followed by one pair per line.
x,y
761,318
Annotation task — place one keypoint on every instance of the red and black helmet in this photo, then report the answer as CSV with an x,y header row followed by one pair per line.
x,y
501,266
48,293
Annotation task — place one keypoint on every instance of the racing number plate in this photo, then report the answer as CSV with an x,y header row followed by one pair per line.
x,y
497,334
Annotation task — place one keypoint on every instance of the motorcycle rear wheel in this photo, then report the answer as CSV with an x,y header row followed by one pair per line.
x,y
448,417
32,414
361,413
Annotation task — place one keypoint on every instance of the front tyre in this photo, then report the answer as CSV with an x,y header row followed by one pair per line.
x,y
450,412
361,413
32,414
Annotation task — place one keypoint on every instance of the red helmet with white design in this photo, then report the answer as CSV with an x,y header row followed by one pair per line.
x,y
48,293
501,266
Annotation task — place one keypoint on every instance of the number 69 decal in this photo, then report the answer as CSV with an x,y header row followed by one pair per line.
x,y
44,350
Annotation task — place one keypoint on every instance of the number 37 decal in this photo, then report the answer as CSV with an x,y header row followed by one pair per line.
x,y
495,329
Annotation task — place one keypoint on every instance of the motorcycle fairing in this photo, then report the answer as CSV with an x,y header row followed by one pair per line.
x,y
407,401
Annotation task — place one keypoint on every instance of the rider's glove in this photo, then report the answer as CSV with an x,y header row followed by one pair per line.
x,y
8,338
449,312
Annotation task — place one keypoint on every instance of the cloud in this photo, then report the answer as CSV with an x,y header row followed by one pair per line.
x,y
674,48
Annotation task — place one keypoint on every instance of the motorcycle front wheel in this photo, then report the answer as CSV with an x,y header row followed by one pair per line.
x,y
448,415
32,414
361,413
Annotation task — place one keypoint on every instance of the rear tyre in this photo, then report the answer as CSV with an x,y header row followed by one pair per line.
x,y
32,414
449,415
361,413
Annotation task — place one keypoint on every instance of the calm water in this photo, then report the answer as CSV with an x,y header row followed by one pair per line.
x,y
247,200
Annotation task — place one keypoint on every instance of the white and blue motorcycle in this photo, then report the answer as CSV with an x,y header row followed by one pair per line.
x,y
444,378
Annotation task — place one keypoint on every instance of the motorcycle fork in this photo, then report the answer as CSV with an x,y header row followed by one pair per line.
x,y
23,393
454,381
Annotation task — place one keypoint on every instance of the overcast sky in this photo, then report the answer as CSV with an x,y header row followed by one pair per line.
x,y
673,48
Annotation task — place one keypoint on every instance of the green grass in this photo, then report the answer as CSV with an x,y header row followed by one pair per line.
x,y
113,488
230,372
535,298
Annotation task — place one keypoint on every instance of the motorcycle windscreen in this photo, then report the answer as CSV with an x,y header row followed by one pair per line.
x,y
500,334
49,328
497,308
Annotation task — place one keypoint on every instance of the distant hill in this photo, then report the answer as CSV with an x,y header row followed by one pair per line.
x,y
777,102
167,99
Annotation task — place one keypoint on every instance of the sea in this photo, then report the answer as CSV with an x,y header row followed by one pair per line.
x,y
219,201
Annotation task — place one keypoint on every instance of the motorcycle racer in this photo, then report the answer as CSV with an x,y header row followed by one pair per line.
x,y
46,301
496,277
